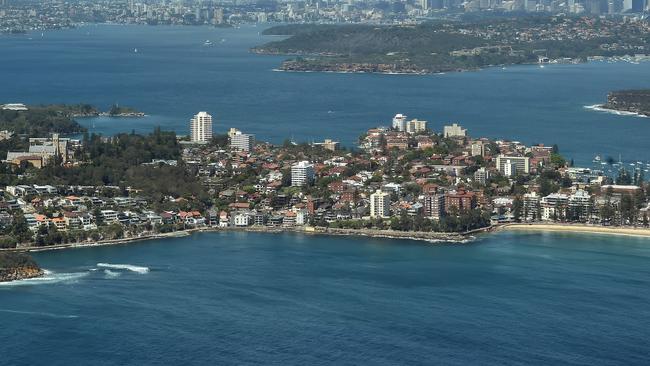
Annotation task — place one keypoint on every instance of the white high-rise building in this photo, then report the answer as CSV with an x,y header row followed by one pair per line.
x,y
380,204
242,141
201,127
509,168
399,122
302,174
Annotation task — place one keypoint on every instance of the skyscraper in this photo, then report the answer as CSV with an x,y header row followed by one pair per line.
x,y
201,127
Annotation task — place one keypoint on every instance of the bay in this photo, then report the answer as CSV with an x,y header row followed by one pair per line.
x,y
252,298
173,75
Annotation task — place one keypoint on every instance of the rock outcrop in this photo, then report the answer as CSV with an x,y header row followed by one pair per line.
x,y
636,101
18,266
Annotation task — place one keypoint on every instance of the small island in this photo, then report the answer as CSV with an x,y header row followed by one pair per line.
x,y
18,266
633,101
121,111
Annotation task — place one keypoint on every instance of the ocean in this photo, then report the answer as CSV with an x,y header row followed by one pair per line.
x,y
173,75
239,298
282,299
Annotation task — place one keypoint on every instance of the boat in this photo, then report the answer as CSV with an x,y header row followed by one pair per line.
x,y
596,158
207,43
135,50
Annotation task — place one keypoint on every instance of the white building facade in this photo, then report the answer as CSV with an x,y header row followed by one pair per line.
x,y
302,174
201,127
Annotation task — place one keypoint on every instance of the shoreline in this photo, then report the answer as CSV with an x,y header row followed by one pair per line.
x,y
428,237
603,109
578,229
431,237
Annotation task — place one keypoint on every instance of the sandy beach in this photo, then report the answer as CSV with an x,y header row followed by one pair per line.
x,y
580,228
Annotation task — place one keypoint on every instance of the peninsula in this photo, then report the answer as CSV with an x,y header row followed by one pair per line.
x,y
408,179
633,101
18,266
453,46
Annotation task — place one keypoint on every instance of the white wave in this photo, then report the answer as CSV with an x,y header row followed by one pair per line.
x,y
49,315
599,108
128,267
111,274
47,278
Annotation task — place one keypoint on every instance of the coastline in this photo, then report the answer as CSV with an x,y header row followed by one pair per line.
x,y
431,237
428,237
618,112
578,229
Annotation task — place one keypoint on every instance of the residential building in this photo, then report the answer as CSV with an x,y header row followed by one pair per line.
x,y
478,148
579,206
454,131
482,175
513,165
328,144
461,200
380,204
554,206
531,206
399,122
201,127
434,206
242,219
302,174
242,141
416,126
109,216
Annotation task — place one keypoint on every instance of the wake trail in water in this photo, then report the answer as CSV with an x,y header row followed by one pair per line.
x,y
128,267
49,315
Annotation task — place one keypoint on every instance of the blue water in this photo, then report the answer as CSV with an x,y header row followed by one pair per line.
x,y
172,76
248,298
235,298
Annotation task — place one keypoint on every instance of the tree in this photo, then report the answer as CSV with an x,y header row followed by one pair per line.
x,y
517,206
20,229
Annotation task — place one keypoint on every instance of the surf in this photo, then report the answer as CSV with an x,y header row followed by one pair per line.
x,y
128,267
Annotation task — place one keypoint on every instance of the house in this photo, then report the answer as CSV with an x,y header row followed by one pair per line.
x,y
224,219
109,216
242,220
289,219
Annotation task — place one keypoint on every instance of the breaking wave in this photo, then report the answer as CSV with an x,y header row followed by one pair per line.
x,y
128,267
48,278
111,274
599,108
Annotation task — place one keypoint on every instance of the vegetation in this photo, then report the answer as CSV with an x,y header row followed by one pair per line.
x,y
10,260
117,111
438,47
40,121
120,161
637,101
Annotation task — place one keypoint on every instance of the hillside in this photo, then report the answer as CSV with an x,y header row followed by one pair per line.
x,y
439,47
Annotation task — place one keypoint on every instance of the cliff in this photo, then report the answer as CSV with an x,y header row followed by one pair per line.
x,y
637,101
18,266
